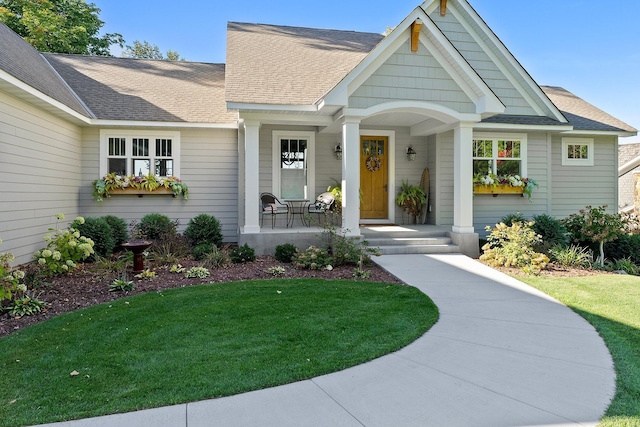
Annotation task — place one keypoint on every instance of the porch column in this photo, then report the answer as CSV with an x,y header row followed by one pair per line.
x,y
251,177
463,179
351,176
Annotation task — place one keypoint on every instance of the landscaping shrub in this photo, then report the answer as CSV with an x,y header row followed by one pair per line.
x,y
626,246
285,252
242,254
572,256
216,258
204,229
312,258
118,229
201,250
169,248
550,229
512,246
509,219
154,225
624,264
98,230
10,279
65,249
345,250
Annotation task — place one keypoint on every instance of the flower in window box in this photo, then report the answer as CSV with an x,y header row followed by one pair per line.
x,y
103,187
505,181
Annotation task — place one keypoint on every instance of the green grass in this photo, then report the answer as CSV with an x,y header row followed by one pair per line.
x,y
611,303
201,342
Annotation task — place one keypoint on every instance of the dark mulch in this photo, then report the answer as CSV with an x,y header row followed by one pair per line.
x,y
84,287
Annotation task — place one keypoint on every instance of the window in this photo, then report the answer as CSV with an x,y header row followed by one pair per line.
x,y
293,165
139,153
577,152
500,155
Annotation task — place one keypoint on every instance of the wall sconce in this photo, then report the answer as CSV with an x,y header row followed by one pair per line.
x,y
338,152
411,154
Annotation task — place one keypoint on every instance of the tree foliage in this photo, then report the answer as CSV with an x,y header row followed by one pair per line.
x,y
62,26
146,50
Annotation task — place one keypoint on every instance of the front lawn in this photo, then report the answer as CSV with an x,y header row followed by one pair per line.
x,y
200,342
611,303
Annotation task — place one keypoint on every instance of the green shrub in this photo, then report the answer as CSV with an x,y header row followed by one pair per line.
x,y
572,256
242,254
155,226
98,230
512,246
201,250
10,278
626,246
118,229
312,258
65,249
509,219
216,258
624,264
551,229
169,248
204,229
285,252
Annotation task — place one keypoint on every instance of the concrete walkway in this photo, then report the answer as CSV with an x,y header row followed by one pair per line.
x,y
501,354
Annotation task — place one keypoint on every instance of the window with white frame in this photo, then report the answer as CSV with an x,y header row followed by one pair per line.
x,y
139,153
500,155
577,151
293,164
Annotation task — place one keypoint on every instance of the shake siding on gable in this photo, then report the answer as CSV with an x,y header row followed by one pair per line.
x,y
209,166
39,172
600,179
411,76
483,64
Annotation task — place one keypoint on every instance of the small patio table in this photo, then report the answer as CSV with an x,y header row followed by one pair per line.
x,y
299,207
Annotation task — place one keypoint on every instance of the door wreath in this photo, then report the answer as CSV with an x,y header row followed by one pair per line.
x,y
373,163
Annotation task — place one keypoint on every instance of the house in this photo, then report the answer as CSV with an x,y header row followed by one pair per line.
x,y
273,117
629,166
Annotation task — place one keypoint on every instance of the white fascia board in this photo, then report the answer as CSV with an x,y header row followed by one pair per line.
x,y
620,133
629,166
513,126
23,87
271,107
149,124
436,111
507,54
284,119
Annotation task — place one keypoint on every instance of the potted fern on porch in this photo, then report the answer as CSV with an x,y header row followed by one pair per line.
x,y
411,199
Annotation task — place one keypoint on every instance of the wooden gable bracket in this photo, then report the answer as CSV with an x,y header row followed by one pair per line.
x,y
415,34
443,7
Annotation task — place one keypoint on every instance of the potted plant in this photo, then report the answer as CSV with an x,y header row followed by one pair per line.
x,y
503,184
114,184
411,199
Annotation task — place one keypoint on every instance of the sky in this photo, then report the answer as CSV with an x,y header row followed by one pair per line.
x,y
589,47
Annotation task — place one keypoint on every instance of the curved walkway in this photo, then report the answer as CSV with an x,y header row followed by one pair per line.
x,y
501,354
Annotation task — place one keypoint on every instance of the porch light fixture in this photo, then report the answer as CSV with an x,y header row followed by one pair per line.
x,y
338,152
411,154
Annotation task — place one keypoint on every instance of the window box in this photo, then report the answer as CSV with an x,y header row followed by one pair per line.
x,y
138,185
497,189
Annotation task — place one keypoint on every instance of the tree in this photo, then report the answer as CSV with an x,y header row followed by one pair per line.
x,y
62,26
146,50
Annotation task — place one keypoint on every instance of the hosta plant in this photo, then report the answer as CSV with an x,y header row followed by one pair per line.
x,y
197,272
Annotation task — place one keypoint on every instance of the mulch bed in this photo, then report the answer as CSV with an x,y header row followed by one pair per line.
x,y
84,287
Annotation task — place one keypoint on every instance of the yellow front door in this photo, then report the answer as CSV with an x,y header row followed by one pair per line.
x,y
374,177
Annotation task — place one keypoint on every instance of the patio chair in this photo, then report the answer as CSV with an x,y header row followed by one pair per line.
x,y
324,203
273,207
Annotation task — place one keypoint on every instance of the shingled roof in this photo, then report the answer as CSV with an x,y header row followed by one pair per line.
x,y
270,64
146,90
22,61
582,115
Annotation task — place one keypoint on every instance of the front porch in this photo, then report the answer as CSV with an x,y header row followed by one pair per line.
x,y
391,239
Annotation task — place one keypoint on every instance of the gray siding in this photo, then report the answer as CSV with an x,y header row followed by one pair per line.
x,y
209,166
575,187
444,179
40,175
432,164
483,64
411,76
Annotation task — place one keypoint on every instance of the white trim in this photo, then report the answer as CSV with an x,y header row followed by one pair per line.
x,y
566,161
105,134
391,168
495,136
310,136
512,127
128,124
270,107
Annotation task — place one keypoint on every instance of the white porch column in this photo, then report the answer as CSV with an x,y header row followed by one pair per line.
x,y
251,177
463,179
351,176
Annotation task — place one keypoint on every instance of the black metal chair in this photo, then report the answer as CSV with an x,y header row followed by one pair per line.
x,y
324,203
273,207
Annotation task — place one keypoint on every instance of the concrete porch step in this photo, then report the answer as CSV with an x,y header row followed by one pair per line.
x,y
393,240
